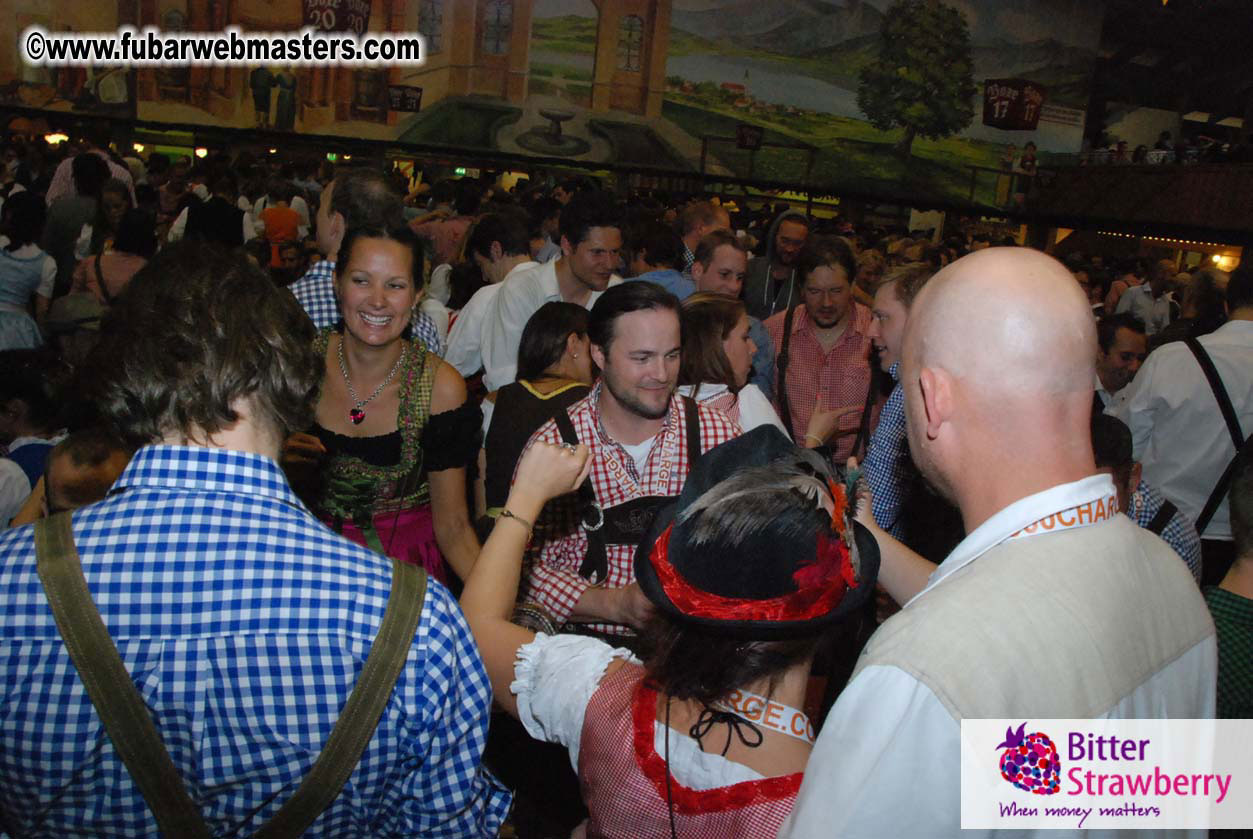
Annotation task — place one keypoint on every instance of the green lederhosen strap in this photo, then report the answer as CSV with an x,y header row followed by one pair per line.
x,y
134,734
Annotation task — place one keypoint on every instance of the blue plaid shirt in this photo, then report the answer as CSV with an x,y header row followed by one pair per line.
x,y
1179,532
315,292
244,623
886,456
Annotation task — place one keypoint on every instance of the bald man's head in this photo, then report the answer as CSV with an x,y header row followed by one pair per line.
x,y
998,364
1010,321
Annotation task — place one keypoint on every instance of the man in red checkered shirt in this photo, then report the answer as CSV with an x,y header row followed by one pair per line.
x,y
643,439
824,359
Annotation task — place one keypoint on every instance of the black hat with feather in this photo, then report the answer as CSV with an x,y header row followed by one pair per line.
x,y
760,542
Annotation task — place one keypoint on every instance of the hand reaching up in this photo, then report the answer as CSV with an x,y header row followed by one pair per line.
x,y
548,470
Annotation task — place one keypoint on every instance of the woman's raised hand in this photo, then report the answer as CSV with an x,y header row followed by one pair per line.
x,y
551,469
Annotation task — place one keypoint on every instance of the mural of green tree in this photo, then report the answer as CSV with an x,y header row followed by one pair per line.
x,y
921,79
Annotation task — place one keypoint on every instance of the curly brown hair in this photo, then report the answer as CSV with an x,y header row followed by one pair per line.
x,y
198,328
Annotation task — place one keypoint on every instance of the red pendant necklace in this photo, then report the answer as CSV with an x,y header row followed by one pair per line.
x,y
356,415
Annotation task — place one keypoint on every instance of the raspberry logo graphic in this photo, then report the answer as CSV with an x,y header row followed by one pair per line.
x,y
1030,762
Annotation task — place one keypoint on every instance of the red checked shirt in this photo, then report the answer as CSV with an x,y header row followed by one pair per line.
x,y
837,378
560,544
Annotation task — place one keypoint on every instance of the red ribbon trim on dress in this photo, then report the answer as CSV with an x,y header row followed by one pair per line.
x,y
822,586
686,799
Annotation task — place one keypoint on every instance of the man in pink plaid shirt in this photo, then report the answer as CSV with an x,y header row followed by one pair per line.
x,y
823,348
643,439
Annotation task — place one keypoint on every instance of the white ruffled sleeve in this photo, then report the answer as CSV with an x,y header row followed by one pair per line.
x,y
755,409
554,678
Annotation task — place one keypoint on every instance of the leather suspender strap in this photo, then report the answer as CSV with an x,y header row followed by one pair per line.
x,y
134,735
360,714
595,562
1220,392
1164,514
691,421
1233,428
780,363
122,710
104,289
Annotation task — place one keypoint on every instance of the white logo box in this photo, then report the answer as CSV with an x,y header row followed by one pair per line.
x,y
1114,774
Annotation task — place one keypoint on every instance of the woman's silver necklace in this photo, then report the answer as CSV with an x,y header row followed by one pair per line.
x,y
357,415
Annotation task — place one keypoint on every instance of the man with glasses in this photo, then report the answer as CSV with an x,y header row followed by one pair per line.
x,y
823,366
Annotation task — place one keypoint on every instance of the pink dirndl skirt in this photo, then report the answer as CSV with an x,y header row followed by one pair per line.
x,y
407,535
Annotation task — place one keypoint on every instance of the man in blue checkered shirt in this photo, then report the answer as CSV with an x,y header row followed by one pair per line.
x,y
356,198
887,464
243,621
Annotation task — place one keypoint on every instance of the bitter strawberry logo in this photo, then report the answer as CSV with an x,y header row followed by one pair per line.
x,y
1030,762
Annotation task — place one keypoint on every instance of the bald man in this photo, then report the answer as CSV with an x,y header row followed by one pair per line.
x,y
1053,605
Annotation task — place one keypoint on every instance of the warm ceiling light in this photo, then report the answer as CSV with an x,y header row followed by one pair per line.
x,y
56,138
201,151
139,148
273,151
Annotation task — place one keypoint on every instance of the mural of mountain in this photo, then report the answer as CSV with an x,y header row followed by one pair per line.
x,y
567,33
1006,58
788,27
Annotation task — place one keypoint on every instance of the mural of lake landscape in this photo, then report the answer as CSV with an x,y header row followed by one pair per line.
x,y
801,70
889,98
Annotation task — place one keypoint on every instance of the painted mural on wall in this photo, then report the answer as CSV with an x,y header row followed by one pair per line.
x,y
83,90
887,96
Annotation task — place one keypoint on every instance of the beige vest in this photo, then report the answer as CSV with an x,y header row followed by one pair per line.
x,y
1059,625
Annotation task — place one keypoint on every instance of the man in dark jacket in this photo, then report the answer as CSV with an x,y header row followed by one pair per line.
x,y
770,284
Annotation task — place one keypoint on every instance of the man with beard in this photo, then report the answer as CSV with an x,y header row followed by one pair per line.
x,y
643,440
823,348
771,282
591,236
1051,608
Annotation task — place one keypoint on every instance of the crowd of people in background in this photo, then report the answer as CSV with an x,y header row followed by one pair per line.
x,y
616,425
1185,149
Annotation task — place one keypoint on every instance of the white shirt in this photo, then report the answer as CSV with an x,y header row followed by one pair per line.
x,y
48,275
863,778
751,408
554,679
1139,300
639,452
440,284
1177,429
15,487
468,334
520,297
14,490
1109,399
